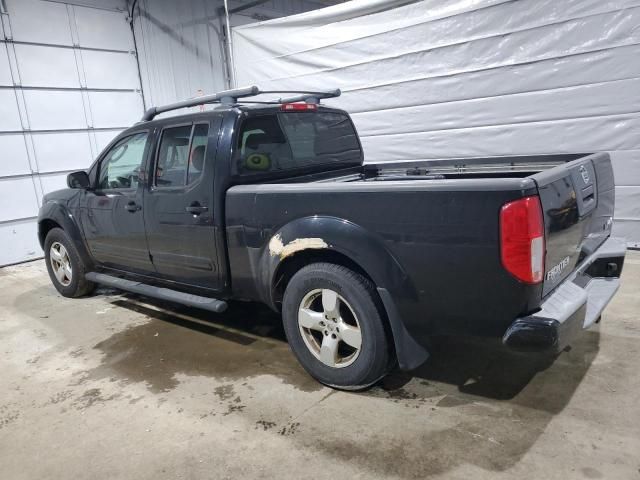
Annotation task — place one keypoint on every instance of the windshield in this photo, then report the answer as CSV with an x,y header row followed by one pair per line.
x,y
288,140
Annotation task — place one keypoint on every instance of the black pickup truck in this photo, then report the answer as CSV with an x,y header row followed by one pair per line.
x,y
272,201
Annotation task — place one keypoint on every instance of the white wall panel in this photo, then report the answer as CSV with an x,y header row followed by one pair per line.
x,y
626,167
19,194
103,29
583,101
55,110
181,44
5,72
628,201
452,78
20,241
62,151
627,213
599,66
39,22
115,109
71,61
103,138
47,66
9,114
558,136
13,156
53,182
110,70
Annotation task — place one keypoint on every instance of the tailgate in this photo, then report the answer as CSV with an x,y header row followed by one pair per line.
x,y
577,201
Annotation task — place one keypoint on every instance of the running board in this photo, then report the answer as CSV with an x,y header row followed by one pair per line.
x,y
206,303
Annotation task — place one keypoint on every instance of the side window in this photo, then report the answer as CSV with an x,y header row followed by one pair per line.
x,y
181,155
122,167
171,167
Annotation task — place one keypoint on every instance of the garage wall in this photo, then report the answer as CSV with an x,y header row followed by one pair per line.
x,y
68,84
456,78
181,45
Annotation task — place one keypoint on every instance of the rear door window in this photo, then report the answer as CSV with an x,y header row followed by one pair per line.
x,y
181,155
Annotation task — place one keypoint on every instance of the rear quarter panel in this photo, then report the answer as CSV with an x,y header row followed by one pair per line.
x,y
432,244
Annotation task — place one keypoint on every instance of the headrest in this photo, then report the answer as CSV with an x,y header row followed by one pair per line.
x,y
197,157
257,139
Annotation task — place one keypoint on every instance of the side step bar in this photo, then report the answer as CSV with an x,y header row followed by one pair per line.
x,y
206,303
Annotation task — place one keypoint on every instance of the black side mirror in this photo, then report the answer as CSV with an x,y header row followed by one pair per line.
x,y
78,179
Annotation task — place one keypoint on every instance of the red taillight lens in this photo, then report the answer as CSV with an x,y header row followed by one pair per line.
x,y
299,107
522,239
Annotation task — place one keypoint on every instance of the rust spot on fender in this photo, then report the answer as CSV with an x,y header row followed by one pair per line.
x,y
277,248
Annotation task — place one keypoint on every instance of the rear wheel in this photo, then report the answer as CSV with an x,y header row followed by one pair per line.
x,y
64,265
335,327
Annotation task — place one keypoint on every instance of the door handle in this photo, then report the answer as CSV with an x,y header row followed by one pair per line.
x,y
132,207
196,209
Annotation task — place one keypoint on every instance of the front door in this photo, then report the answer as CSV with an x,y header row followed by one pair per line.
x,y
179,204
113,220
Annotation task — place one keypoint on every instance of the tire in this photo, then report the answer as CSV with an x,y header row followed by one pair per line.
x,y
57,241
358,311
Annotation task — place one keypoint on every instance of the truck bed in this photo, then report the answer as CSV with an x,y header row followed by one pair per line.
x,y
439,224
459,168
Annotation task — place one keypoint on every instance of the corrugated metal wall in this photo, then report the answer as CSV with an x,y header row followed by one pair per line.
x,y
68,84
458,78
181,44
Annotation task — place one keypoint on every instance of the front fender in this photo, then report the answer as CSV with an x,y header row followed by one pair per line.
x,y
58,212
364,248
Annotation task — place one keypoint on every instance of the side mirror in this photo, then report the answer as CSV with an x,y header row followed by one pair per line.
x,y
78,179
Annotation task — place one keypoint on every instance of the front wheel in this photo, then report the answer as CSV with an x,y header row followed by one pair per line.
x,y
335,326
64,265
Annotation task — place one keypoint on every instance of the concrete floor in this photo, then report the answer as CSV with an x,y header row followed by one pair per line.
x,y
116,386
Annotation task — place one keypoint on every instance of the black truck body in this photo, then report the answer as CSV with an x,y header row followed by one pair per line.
x,y
428,235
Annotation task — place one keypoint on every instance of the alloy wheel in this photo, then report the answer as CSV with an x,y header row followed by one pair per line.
x,y
329,328
60,263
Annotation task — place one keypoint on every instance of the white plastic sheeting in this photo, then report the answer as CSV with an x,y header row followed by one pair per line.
x,y
464,78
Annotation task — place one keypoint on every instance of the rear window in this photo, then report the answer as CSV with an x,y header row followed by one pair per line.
x,y
288,140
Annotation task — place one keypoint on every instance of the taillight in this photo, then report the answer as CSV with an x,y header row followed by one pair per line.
x,y
522,239
299,107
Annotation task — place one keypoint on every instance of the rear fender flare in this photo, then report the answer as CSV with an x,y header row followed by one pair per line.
x,y
362,247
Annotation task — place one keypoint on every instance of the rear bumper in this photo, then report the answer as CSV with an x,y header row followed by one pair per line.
x,y
574,305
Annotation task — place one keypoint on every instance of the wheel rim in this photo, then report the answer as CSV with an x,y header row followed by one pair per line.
x,y
60,263
329,328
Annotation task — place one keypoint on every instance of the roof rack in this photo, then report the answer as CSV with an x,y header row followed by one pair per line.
x,y
230,97
308,97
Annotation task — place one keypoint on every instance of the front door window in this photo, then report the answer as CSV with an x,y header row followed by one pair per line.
x,y
122,167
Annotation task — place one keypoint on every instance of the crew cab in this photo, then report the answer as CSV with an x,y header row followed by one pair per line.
x,y
272,201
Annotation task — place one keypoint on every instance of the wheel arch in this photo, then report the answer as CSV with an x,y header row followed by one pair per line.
x,y
44,227
333,240
56,215
324,238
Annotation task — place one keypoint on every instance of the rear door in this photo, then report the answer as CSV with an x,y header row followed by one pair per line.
x,y
179,204
578,201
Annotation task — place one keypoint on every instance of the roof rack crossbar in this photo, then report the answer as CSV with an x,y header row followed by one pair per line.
x,y
226,97
230,97
310,97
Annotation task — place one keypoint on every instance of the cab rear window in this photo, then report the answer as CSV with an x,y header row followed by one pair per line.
x,y
289,140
